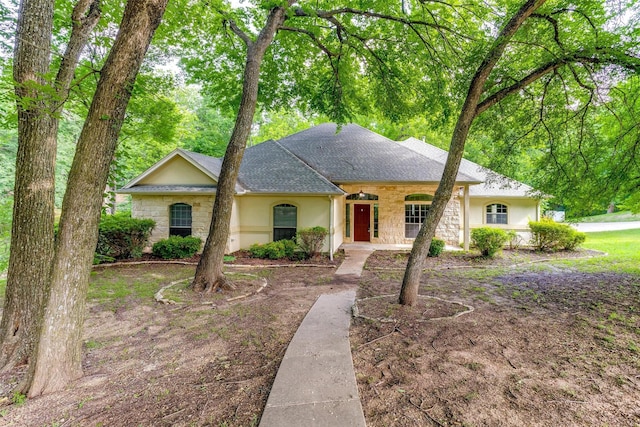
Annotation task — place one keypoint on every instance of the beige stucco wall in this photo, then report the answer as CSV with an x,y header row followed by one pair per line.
x,y
177,171
391,212
157,208
255,216
519,212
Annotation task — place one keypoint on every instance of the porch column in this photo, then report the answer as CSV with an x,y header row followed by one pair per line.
x,y
467,232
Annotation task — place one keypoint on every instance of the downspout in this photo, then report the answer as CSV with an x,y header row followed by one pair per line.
x,y
467,232
331,242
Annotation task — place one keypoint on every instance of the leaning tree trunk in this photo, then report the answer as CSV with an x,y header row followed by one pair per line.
x,y
57,359
413,273
33,218
31,248
209,275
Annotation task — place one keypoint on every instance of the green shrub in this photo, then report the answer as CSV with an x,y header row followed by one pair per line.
x,y
548,235
121,236
310,240
436,247
176,247
489,240
273,250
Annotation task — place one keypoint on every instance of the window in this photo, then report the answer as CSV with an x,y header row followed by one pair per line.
x,y
180,220
362,196
415,213
347,221
375,220
497,214
285,222
414,216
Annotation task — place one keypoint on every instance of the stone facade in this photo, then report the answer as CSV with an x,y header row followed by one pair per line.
x,y
157,208
391,213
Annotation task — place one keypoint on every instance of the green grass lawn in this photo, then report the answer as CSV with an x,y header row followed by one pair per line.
x,y
613,217
622,247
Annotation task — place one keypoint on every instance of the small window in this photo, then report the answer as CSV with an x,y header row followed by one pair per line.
x,y
362,196
347,220
180,220
418,198
497,214
414,216
375,220
285,222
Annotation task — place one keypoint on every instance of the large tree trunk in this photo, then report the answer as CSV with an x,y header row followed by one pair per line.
x,y
33,216
413,273
209,275
57,359
31,248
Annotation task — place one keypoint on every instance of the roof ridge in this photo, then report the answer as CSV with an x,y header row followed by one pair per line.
x,y
306,165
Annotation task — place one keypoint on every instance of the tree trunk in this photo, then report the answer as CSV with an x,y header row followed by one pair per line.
x,y
31,249
209,275
57,359
413,273
33,216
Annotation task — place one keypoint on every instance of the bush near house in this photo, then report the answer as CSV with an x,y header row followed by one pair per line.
x,y
548,235
310,240
121,237
488,240
273,250
177,247
436,247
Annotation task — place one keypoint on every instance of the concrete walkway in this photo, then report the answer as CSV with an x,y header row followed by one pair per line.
x,y
316,385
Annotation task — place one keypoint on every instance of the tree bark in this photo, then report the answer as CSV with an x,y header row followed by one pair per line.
x,y
57,359
413,273
32,245
209,275
31,249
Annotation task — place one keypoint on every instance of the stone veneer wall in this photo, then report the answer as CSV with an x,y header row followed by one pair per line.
x,y
157,208
391,212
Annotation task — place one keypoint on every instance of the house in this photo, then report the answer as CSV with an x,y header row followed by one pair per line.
x,y
359,185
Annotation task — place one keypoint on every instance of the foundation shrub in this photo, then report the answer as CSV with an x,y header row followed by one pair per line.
x,y
177,247
436,247
548,235
310,240
489,240
273,250
121,237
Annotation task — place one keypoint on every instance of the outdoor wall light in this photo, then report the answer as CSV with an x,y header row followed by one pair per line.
x,y
361,194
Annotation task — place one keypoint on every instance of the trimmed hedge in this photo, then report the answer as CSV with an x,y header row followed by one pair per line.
x,y
121,237
548,235
273,250
489,240
436,247
177,247
310,240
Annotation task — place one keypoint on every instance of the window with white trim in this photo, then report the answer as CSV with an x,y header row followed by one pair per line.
x,y
415,213
285,222
180,220
497,214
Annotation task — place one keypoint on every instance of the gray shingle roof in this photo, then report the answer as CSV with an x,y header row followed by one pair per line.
x,y
356,154
493,184
270,168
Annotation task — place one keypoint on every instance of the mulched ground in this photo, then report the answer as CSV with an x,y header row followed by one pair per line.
x,y
543,346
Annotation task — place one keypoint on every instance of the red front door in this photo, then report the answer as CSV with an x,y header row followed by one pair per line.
x,y
361,218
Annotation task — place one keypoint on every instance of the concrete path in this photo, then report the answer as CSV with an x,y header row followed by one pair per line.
x,y
605,226
316,385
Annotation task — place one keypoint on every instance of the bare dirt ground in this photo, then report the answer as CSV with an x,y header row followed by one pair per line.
x,y
542,347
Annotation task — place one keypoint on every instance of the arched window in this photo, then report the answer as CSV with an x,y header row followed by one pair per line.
x,y
497,214
362,196
285,222
415,211
180,220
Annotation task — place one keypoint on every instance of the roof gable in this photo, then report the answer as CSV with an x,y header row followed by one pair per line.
x,y
493,184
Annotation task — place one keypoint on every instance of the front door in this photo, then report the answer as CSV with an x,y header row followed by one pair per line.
x,y
361,224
